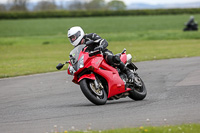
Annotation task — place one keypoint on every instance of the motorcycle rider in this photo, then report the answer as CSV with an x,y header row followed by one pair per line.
x,y
77,37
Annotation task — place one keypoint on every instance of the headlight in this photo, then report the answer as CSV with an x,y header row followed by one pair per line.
x,y
81,62
71,70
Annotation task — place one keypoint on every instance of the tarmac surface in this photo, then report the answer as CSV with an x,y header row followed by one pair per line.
x,y
35,103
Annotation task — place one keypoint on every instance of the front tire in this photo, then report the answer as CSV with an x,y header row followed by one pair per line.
x,y
99,97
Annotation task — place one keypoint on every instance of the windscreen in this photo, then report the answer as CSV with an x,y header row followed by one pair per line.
x,y
74,54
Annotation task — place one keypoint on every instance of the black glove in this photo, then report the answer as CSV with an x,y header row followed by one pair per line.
x,y
100,48
116,59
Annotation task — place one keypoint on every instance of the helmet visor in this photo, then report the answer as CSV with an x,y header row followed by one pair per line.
x,y
74,37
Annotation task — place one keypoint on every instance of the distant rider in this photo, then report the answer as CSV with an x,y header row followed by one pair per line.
x,y
77,37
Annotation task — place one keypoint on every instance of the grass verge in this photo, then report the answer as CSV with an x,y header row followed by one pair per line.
x,y
184,128
22,59
191,128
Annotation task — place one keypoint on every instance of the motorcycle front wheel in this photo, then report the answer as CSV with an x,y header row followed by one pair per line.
x,y
94,95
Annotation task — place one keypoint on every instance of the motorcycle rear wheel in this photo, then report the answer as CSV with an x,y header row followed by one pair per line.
x,y
94,97
138,92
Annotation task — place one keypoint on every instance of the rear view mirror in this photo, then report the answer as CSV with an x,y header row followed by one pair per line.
x,y
59,66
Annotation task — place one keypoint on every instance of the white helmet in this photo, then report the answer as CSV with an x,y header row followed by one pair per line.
x,y
75,35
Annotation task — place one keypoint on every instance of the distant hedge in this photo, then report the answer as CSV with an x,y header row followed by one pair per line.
x,y
64,13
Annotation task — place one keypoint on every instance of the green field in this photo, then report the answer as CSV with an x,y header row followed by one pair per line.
x,y
38,45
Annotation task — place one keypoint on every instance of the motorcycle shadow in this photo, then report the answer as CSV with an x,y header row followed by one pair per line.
x,y
107,104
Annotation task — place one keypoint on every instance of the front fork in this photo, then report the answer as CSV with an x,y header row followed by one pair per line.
x,y
96,84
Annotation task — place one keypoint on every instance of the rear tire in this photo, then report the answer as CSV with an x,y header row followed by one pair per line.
x,y
138,92
98,99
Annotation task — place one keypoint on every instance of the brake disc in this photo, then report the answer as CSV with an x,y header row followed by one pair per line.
x,y
98,91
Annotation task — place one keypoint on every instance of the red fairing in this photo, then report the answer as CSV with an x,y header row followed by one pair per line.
x,y
87,76
115,83
97,64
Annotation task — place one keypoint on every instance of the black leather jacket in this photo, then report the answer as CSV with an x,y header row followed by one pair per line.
x,y
98,41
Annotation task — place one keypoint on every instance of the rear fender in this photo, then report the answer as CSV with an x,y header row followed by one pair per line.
x,y
87,76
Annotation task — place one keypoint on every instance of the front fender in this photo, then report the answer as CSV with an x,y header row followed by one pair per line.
x,y
87,76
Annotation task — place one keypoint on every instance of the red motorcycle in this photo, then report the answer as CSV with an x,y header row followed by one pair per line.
x,y
99,81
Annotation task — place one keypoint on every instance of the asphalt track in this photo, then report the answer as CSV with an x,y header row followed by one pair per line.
x,y
34,104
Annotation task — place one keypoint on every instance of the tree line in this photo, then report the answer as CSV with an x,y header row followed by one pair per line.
x,y
94,13
51,5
